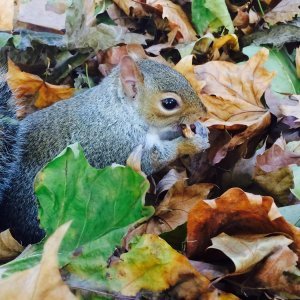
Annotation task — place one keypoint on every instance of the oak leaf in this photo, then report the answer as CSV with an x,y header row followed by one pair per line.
x,y
235,213
284,11
25,84
42,282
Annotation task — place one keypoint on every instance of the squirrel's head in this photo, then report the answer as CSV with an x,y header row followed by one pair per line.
x,y
162,95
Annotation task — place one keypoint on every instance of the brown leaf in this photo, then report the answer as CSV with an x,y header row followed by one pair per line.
x,y
9,247
131,7
25,84
277,273
235,212
42,282
284,11
110,58
282,106
176,17
278,156
173,210
231,94
247,250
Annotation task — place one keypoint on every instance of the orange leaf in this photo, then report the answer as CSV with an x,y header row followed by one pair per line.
x,y
25,84
235,212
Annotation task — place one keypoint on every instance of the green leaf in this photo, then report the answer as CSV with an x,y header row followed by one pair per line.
x,y
291,213
102,204
4,38
296,189
211,13
286,80
97,200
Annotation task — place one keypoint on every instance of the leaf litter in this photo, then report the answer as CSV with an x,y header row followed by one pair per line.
x,y
219,209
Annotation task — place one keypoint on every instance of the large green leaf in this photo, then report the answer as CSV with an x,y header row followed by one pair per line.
x,y
286,80
102,204
98,201
211,13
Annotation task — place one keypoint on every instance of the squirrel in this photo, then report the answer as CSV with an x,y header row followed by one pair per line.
x,y
140,103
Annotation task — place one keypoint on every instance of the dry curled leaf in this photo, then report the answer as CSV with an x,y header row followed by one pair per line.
x,y
9,247
176,17
235,213
25,84
42,282
247,250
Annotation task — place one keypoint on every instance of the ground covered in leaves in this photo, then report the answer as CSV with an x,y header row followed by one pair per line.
x,y
220,225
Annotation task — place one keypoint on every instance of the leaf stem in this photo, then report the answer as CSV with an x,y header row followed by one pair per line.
x,y
87,75
260,7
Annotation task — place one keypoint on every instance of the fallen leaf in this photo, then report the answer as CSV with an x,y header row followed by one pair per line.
x,y
296,177
131,7
43,281
25,84
176,17
151,264
173,210
36,12
231,94
7,15
186,68
169,180
284,11
277,156
247,250
212,14
280,274
235,213
273,170
9,247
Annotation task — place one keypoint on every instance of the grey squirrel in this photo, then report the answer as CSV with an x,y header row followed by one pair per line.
x,y
139,103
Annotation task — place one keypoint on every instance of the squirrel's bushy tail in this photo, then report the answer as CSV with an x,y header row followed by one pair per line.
x,y
8,132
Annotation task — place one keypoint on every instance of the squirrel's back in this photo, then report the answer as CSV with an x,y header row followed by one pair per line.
x,y
8,133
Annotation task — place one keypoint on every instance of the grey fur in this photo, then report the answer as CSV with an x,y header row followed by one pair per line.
x,y
108,126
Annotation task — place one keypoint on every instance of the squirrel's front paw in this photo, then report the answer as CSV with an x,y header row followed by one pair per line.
x,y
195,140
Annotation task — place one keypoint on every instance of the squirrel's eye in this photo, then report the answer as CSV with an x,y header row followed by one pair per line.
x,y
169,103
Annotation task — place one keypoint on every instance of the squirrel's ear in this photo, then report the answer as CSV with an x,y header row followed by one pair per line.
x,y
130,76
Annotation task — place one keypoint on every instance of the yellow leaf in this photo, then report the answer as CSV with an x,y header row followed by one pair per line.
x,y
25,84
153,265
42,282
7,15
